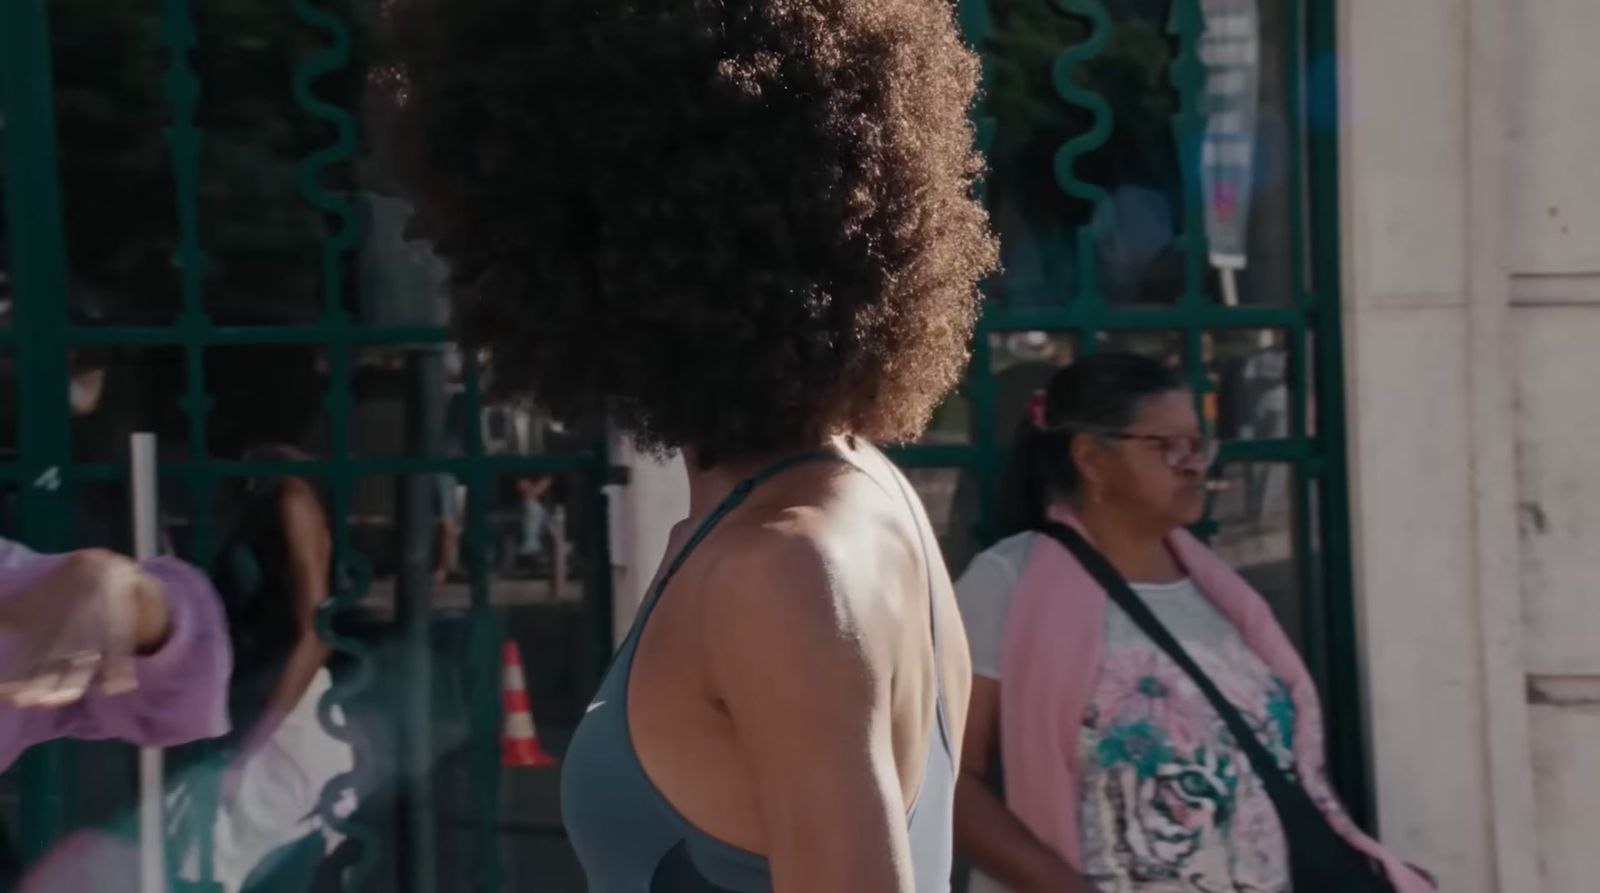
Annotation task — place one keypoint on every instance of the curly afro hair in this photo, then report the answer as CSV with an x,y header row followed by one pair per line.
x,y
740,226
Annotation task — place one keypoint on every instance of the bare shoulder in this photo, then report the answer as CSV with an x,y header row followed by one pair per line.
x,y
298,493
300,508
779,578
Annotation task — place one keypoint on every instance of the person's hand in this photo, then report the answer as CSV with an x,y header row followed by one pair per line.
x,y
80,627
232,779
1425,874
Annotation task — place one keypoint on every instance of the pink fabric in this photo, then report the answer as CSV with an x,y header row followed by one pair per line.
x,y
1050,661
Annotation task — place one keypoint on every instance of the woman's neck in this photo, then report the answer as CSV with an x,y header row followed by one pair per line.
x,y
1138,551
709,486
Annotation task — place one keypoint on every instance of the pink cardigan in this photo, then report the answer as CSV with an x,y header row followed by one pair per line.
x,y
1049,664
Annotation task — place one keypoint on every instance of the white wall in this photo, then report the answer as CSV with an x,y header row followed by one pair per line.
x,y
1554,138
1472,287
643,513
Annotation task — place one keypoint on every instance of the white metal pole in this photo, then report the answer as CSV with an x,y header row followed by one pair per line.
x,y
1230,286
146,539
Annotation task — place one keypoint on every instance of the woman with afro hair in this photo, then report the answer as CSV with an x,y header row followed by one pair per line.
x,y
747,231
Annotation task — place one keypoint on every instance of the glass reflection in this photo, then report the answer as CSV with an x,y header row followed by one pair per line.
x,y
1252,368
1254,519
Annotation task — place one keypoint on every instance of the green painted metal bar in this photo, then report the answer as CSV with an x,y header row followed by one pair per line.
x,y
216,336
483,672
1299,381
1294,37
413,719
1188,76
1209,316
39,281
1300,231
1308,571
182,90
1266,451
989,461
976,26
328,468
1347,760
960,456
337,246
1314,648
184,143
1308,574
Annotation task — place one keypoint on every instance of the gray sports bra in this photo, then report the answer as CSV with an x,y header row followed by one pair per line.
x,y
631,840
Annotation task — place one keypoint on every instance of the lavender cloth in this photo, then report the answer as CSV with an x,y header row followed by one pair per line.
x,y
183,687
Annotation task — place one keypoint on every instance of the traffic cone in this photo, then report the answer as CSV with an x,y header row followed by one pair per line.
x,y
521,741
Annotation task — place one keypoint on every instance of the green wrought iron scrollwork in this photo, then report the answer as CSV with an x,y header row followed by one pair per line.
x,y
337,246
1064,77
39,279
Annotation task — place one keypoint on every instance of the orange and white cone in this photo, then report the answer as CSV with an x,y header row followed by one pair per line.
x,y
521,741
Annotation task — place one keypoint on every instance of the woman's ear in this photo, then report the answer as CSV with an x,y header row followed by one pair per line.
x,y
1089,461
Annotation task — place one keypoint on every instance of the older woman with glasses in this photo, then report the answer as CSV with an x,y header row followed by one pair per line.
x,y
1119,771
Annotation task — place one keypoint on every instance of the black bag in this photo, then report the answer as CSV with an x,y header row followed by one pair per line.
x,y
1320,861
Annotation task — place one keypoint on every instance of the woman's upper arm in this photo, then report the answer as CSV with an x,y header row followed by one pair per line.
x,y
809,705
983,721
310,548
983,594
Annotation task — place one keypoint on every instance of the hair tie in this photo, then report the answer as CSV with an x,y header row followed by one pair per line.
x,y
1036,410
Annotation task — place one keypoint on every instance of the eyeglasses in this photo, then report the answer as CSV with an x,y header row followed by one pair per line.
x,y
1177,450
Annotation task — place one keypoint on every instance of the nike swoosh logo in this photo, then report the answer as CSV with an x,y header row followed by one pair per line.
x,y
595,706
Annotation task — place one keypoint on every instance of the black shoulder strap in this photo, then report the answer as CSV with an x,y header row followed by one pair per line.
x,y
1267,768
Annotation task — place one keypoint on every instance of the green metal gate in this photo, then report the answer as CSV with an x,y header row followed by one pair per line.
x,y
1092,120
418,681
